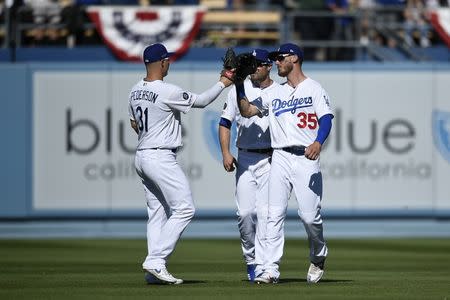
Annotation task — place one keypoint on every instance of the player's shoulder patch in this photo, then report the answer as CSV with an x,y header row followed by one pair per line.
x,y
185,96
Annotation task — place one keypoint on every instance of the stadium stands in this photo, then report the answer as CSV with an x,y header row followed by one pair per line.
x,y
379,30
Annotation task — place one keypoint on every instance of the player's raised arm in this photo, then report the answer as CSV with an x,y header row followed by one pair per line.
x,y
246,108
208,96
211,94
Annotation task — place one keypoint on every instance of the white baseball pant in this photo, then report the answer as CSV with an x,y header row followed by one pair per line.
x,y
169,203
289,171
252,176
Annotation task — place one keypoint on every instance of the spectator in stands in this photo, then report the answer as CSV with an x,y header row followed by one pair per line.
x,y
367,32
2,20
311,27
367,14
46,15
74,17
390,15
343,29
393,8
45,11
415,20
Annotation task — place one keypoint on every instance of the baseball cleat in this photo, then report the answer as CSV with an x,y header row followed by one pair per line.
x,y
266,278
151,279
251,272
164,276
315,272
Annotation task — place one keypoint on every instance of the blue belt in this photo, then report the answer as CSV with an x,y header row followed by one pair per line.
x,y
296,150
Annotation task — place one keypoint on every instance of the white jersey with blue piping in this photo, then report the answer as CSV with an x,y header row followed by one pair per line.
x,y
295,112
252,133
156,106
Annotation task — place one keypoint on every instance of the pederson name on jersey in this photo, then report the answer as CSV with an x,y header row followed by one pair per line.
x,y
143,95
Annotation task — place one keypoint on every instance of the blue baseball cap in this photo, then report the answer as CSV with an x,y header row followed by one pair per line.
x,y
287,48
156,52
262,56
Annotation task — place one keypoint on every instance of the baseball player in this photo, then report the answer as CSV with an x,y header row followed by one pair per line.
x,y
253,164
299,121
155,108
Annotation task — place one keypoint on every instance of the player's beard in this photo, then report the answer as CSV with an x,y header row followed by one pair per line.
x,y
255,77
284,70
259,76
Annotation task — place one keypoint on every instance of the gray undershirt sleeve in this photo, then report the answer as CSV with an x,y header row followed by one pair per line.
x,y
208,96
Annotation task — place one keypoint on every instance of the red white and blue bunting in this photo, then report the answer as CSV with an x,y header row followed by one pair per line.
x,y
127,30
440,19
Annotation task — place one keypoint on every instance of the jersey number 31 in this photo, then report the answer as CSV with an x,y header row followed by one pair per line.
x,y
143,123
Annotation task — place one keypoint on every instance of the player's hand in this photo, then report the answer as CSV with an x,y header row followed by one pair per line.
x,y
229,162
313,151
227,77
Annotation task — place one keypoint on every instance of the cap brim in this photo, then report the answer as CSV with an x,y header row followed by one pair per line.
x,y
167,55
264,61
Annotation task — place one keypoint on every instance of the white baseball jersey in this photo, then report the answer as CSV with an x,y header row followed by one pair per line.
x,y
253,133
295,112
156,106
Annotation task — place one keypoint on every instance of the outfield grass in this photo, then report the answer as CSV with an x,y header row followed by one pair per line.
x,y
213,269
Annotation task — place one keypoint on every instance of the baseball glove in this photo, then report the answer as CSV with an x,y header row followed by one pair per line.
x,y
229,60
246,64
229,64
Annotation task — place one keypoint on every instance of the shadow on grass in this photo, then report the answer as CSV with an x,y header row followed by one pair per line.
x,y
185,282
193,282
289,280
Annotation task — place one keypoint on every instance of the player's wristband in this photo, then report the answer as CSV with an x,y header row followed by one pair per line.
x,y
240,91
324,128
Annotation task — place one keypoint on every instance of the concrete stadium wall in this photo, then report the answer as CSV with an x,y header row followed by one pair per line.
x,y
68,148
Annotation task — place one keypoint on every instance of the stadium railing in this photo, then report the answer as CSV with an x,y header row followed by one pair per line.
x,y
223,27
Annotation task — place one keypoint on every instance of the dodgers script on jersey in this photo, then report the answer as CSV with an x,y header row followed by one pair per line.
x,y
253,133
295,112
156,106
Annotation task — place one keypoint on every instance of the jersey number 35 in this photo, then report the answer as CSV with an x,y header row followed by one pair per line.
x,y
305,119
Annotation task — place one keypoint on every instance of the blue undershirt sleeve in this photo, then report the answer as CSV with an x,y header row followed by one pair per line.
x,y
225,123
240,91
324,128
